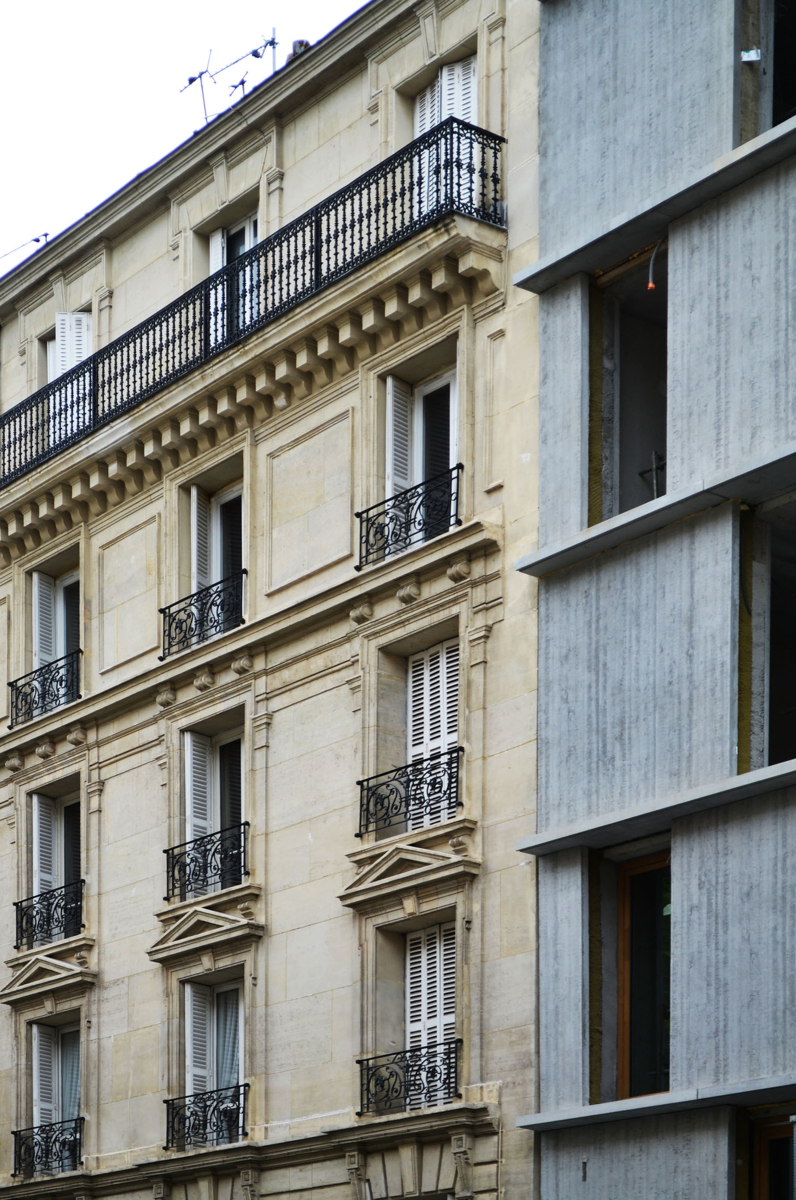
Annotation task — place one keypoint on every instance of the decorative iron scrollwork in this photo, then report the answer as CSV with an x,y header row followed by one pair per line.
x,y
46,688
49,916
214,609
217,860
453,168
421,793
48,1149
416,515
207,1118
422,1077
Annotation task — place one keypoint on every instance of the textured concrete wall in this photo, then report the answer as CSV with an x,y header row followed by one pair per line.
x,y
734,942
732,310
563,980
635,97
677,1157
637,667
563,410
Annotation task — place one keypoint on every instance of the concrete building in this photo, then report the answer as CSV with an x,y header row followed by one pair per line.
x,y
667,520
267,460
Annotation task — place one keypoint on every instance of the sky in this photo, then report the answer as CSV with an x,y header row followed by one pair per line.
x,y
91,92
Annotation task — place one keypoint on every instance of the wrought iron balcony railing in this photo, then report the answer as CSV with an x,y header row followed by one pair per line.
x,y
46,688
454,168
420,513
421,793
214,609
422,1077
49,916
208,863
207,1118
48,1149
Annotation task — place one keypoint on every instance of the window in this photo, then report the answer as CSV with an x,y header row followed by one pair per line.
x,y
70,344
644,975
56,859
772,1158
421,445
56,617
453,93
213,856
627,417
228,244
216,536
56,1075
236,302
433,725
430,980
213,1064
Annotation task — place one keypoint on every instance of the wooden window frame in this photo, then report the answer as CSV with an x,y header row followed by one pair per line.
x,y
626,871
766,1131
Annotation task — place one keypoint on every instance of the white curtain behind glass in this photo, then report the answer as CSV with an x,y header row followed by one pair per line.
x,y
227,1038
70,1075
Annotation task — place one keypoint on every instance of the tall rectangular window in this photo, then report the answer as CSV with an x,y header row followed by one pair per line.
x,y
56,616
56,865
213,1037
56,1073
645,908
430,1009
432,721
216,535
213,813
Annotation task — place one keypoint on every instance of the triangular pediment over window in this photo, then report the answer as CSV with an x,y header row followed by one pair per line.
x,y
43,975
203,929
402,868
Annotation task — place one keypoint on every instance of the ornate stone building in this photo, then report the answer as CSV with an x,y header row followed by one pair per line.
x,y
266,463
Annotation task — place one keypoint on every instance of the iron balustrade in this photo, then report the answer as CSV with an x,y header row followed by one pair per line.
x,y
416,515
46,688
453,168
50,916
207,1118
421,1077
48,1149
217,860
422,793
192,620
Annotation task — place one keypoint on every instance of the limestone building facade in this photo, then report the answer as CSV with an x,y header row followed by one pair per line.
x,y
666,818
267,459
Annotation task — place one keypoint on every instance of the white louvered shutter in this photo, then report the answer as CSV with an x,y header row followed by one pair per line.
x,y
200,540
427,108
198,1039
199,796
44,648
73,342
458,91
430,998
217,250
45,1079
45,873
399,436
433,717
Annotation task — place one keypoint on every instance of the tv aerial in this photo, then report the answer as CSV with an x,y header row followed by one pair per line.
x,y
206,73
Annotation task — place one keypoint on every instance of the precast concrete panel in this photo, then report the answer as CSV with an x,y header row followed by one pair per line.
x,y
732,312
563,410
680,1156
563,980
734,943
638,671
635,97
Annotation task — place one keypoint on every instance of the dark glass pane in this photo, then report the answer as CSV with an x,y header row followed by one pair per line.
x,y
230,847
231,517
71,596
784,60
436,432
780,1169
71,825
236,244
650,931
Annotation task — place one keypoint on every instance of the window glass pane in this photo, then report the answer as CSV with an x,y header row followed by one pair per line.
x,y
227,1038
650,925
780,1169
71,617
70,1075
236,244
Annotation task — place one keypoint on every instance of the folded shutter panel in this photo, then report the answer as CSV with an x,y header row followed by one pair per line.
x,y
447,1023
431,985
469,92
81,339
44,845
415,1005
43,619
458,90
218,250
399,436
198,785
433,700
69,1055
63,343
73,342
427,108
200,539
198,1035
45,1099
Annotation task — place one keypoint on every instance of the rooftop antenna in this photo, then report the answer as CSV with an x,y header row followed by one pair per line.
x,y
200,78
240,84
257,52
38,238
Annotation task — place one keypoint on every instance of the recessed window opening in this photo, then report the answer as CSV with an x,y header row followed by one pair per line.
x,y
56,616
229,244
645,906
212,1112
784,61
69,344
770,1150
56,859
782,639
627,422
452,93
213,854
216,535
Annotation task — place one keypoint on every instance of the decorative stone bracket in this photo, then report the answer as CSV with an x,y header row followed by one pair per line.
x,y
462,1147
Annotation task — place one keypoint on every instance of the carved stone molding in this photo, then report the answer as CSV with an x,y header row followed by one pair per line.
x,y
410,591
355,1166
462,1147
204,679
459,569
400,870
166,696
45,749
94,790
14,761
77,735
243,664
43,976
249,1184
361,612
201,931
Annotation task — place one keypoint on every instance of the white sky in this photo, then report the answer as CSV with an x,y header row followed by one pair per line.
x,y
90,92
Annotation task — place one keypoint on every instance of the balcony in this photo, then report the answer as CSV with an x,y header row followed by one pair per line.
x,y
454,168
207,864
207,1118
422,1077
421,793
49,916
420,513
46,688
48,1149
210,611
